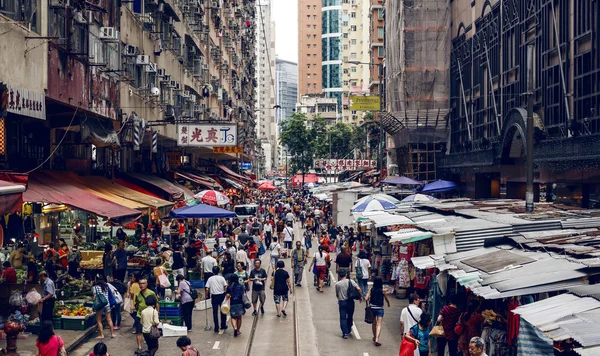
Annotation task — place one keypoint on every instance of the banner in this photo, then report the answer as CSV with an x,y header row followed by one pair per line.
x,y
228,149
24,102
207,135
365,103
344,164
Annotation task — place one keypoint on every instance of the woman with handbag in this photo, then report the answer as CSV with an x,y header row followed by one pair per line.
x,y
472,324
321,261
149,320
49,344
162,278
449,316
235,296
133,288
375,297
184,290
419,335
102,306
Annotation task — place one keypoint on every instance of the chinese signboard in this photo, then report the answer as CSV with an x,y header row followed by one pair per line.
x,y
345,164
174,159
26,103
207,135
364,103
228,149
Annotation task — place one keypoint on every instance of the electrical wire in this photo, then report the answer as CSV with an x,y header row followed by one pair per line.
x,y
58,145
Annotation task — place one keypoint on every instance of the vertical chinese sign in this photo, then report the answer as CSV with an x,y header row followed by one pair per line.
x,y
207,135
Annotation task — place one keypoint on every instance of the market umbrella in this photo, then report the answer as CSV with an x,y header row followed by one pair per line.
x,y
401,181
310,185
201,211
439,186
212,197
267,186
418,198
375,202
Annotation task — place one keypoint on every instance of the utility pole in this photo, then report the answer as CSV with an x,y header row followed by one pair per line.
x,y
529,150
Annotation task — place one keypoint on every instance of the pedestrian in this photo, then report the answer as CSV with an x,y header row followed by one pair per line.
x,y
107,262
477,346
242,256
346,303
320,260
133,288
179,262
48,297
159,271
242,275
120,262
100,349
472,322
411,314
235,293
184,290
208,264
363,271
9,275
227,266
252,250
375,297
48,343
268,228
307,239
282,285
216,286
419,335
288,238
149,318
185,344
275,253
140,306
449,318
101,288
258,276
74,258
116,308
343,262
299,257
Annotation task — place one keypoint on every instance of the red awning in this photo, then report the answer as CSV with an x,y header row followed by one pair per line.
x,y
233,174
11,197
132,186
166,189
198,180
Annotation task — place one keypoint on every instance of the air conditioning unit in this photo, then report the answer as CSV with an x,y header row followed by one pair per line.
x,y
160,72
193,98
185,9
198,109
79,17
151,68
131,51
147,19
166,79
197,11
177,86
143,60
185,94
173,84
205,66
109,34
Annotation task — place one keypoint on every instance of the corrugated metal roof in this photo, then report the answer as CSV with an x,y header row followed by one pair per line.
x,y
588,351
592,290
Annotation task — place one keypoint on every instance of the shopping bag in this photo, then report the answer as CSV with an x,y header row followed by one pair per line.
x,y
225,307
99,303
246,301
164,281
407,348
127,305
369,315
261,249
437,331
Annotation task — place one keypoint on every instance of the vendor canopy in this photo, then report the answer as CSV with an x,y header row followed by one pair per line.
x,y
11,197
43,188
163,187
201,211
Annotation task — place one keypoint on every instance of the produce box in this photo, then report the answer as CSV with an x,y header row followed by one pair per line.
x,y
57,323
197,284
78,323
175,321
165,304
33,328
195,276
170,311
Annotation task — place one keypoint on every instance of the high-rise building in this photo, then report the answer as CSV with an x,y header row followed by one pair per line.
x,y
376,42
265,76
309,47
286,89
331,58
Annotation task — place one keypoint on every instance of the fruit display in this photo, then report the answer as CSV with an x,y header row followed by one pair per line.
x,y
94,263
137,261
72,310
21,275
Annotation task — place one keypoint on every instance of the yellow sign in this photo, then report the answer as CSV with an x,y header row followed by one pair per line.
x,y
228,149
365,103
174,158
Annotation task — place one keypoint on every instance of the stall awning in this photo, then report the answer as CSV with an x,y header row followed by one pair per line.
x,y
194,178
409,235
233,174
11,197
233,183
161,186
46,189
382,219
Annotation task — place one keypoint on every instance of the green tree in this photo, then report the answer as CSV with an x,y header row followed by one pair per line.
x,y
341,134
299,141
319,132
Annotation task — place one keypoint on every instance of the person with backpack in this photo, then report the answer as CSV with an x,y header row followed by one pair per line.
x,y
187,297
102,305
185,344
117,300
299,257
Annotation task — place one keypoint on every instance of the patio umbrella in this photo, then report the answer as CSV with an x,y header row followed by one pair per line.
x,y
401,181
212,197
375,202
267,186
439,186
418,198
201,211
310,185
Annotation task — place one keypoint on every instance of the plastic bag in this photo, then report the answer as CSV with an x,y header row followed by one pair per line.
x,y
225,307
16,298
33,297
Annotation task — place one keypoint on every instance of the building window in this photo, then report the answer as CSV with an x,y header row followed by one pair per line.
x,y
314,7
315,86
307,46
308,17
314,56
314,27
345,83
345,47
353,41
380,51
308,37
315,46
353,112
353,55
353,28
353,14
308,76
308,85
308,65
380,13
345,23
380,32
308,7
314,17
345,35
314,36
353,70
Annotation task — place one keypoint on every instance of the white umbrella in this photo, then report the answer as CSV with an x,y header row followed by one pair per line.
x,y
418,198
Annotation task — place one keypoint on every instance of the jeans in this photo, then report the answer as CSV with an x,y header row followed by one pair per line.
x,y
186,311
115,313
268,238
452,346
119,274
216,300
346,315
307,242
47,310
364,287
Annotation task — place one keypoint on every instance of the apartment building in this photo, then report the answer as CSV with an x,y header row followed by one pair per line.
x,y
376,42
286,88
331,61
318,105
309,47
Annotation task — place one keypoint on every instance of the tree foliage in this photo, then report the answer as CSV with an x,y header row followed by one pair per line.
x,y
299,141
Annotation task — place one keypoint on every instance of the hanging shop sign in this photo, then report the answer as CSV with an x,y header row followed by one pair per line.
x,y
345,164
365,103
228,149
24,102
246,165
174,159
207,135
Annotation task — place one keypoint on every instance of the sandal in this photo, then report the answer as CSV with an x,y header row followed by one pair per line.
x,y
377,343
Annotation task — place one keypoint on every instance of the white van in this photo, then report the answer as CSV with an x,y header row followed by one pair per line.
x,y
245,211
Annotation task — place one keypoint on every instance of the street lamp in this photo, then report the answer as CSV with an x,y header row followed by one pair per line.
x,y
381,110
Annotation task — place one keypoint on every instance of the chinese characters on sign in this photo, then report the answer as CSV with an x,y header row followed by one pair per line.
x,y
26,103
228,149
345,164
207,135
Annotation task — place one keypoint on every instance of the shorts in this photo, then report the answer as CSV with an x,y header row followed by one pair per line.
x,y
344,269
136,323
287,244
377,312
274,260
278,298
321,272
258,294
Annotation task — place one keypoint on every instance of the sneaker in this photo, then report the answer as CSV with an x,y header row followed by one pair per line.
x,y
117,328
254,313
235,333
216,331
189,330
284,313
262,310
344,336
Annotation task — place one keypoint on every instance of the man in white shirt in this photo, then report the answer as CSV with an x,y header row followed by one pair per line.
x,y
208,262
288,238
217,287
410,316
268,233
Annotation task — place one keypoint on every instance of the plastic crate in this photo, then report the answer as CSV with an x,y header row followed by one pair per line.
x,y
197,283
172,281
170,312
91,320
165,304
195,276
75,324
57,323
176,322
33,328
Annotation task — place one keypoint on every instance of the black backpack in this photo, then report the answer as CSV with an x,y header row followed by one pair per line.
x,y
193,292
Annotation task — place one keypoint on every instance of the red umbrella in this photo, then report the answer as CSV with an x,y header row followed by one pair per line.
x,y
267,186
212,197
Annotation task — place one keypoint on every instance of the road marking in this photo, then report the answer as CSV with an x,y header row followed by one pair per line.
x,y
355,332
365,354
332,277
216,345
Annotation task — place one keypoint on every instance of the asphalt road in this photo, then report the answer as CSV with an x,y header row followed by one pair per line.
x,y
318,329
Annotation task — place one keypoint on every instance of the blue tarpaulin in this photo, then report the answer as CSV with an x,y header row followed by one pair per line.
x,y
201,211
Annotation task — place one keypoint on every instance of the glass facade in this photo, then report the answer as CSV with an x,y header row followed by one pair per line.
x,y
287,89
331,49
332,3
332,76
330,22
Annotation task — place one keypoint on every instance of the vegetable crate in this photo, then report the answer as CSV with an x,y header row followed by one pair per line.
x,y
175,321
165,304
57,323
77,323
170,312
194,276
197,284
172,281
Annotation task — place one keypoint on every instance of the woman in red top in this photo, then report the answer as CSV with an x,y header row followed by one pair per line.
x,y
472,325
449,318
63,252
252,250
47,343
324,240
